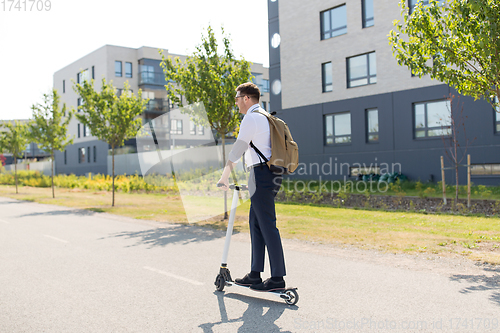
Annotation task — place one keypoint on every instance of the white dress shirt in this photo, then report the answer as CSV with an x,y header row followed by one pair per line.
x,y
254,127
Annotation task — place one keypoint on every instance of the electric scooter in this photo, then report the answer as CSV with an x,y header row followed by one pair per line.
x,y
289,295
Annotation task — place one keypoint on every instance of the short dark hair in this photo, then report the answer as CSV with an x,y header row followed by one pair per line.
x,y
249,89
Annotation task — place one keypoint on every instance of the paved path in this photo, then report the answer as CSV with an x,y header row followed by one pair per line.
x,y
67,270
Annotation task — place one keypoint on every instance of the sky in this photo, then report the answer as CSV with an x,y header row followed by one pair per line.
x,y
35,44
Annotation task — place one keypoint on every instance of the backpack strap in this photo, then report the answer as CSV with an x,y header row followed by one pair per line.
x,y
258,110
258,152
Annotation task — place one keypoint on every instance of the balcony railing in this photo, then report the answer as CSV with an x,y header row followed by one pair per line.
x,y
154,78
157,105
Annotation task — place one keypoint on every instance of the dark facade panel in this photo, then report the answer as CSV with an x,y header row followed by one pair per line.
x,y
397,150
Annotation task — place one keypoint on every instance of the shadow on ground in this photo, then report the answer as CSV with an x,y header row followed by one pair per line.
x,y
482,283
171,234
79,212
255,318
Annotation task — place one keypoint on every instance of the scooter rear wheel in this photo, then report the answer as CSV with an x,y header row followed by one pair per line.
x,y
293,296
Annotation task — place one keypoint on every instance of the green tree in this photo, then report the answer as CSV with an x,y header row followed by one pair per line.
x,y
13,140
49,127
212,78
110,118
453,41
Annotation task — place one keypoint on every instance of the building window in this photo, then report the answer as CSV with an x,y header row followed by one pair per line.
x,y
176,126
128,69
118,68
93,73
263,104
95,154
201,130
192,128
367,9
372,125
82,76
78,130
355,171
86,131
338,128
148,74
497,116
326,75
333,22
432,119
265,86
64,86
65,157
361,70
88,154
81,155
485,169
413,3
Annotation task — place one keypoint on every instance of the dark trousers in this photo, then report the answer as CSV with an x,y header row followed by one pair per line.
x,y
262,221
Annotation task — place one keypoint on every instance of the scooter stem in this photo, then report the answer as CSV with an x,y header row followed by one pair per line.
x,y
230,225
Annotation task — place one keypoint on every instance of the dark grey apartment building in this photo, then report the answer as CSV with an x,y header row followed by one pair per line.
x,y
334,80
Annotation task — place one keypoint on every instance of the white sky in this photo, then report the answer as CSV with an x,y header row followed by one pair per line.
x,y
34,45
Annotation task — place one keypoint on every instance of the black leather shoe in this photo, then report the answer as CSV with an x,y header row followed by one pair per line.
x,y
247,281
268,285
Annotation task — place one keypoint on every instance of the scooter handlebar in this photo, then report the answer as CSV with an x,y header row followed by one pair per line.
x,y
235,187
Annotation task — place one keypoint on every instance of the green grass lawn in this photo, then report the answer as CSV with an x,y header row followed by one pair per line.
x,y
475,237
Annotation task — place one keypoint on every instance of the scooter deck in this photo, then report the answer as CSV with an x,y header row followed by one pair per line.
x,y
276,291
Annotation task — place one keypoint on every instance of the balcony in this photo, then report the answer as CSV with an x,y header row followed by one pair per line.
x,y
157,106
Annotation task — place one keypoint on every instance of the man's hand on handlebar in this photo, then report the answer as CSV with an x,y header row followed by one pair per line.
x,y
223,184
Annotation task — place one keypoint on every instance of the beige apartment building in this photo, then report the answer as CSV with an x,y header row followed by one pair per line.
x,y
141,69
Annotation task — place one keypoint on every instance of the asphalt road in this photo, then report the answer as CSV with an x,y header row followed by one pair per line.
x,y
67,270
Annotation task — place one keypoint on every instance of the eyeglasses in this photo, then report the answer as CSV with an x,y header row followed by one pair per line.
x,y
236,98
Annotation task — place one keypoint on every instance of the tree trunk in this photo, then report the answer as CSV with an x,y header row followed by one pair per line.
x,y
15,171
224,165
113,172
52,174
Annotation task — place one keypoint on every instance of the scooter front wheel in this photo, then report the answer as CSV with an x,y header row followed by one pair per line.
x,y
220,282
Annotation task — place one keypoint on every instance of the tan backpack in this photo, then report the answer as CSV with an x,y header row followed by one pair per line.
x,y
284,151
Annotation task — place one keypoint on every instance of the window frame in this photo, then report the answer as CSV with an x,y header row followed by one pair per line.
x,y
365,19
95,154
426,127
178,127
192,128
119,74
488,170
368,76
368,133
331,30
127,74
80,77
324,84
333,136
81,155
201,130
